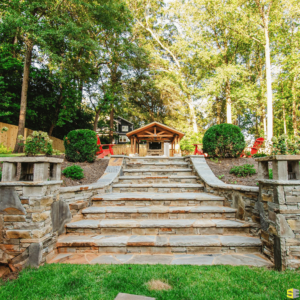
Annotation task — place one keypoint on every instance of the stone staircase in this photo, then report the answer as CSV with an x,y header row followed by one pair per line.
x,y
158,206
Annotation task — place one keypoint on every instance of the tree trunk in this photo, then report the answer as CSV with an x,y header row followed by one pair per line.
x,y
193,116
263,120
111,125
228,102
269,81
284,120
218,111
294,118
96,119
23,104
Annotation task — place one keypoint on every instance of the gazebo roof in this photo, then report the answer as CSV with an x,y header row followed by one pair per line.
x,y
163,131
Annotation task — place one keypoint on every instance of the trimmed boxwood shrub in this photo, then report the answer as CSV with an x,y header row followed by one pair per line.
x,y
81,145
224,140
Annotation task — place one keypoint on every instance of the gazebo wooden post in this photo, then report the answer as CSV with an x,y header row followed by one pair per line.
x,y
134,145
131,144
138,146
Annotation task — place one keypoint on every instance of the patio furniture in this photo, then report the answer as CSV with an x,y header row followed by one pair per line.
x,y
256,146
103,152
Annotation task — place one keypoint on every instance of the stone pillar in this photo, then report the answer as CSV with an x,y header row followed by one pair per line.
x,y
9,171
41,171
263,170
279,209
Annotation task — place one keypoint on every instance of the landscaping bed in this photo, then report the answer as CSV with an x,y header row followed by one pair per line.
x,y
222,166
67,281
92,171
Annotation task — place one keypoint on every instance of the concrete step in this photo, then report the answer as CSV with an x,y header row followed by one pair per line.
x,y
158,244
154,172
157,165
157,179
158,212
154,159
160,226
158,188
158,199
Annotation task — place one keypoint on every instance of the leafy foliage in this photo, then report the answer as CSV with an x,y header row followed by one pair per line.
x,y
73,172
81,145
3,148
283,145
243,171
224,140
259,155
36,143
270,173
186,144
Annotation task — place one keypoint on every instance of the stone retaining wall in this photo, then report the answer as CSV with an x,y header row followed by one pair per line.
x,y
34,213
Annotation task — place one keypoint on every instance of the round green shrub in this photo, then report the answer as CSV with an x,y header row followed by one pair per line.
x,y
74,172
224,140
81,145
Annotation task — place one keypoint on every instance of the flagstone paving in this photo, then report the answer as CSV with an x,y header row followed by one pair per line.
x,y
177,259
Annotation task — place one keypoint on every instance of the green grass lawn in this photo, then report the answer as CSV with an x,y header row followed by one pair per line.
x,y
11,154
63,281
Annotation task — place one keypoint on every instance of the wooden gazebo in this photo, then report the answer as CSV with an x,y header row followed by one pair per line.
x,y
156,135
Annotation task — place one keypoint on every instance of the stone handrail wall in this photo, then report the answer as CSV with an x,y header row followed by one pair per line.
x,y
79,197
243,198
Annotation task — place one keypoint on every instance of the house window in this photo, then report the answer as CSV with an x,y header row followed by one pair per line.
x,y
123,139
125,128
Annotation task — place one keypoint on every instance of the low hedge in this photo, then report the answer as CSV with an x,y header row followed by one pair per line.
x,y
81,145
224,140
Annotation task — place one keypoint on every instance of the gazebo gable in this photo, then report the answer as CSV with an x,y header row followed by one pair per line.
x,y
155,131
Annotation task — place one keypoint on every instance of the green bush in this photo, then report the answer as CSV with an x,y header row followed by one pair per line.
x,y
73,172
36,143
243,171
81,145
224,140
4,149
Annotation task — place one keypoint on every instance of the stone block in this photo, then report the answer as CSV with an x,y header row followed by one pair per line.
x,y
35,255
292,199
267,197
18,234
10,202
37,217
41,171
294,224
280,170
8,218
33,191
9,172
284,228
263,170
56,172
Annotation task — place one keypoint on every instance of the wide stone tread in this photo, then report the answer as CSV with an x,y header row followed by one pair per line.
x,y
157,196
157,209
158,177
158,223
158,185
156,170
158,241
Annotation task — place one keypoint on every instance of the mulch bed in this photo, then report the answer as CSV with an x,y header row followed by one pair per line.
x,y
92,172
223,166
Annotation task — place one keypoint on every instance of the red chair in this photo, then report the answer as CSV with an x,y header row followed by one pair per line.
x,y
198,151
257,145
103,152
